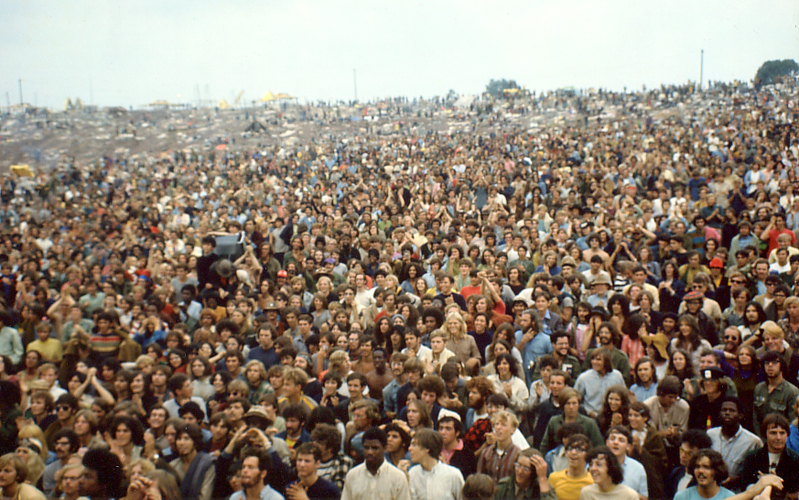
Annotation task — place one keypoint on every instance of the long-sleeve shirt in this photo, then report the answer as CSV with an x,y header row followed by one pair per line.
x,y
442,482
11,344
389,483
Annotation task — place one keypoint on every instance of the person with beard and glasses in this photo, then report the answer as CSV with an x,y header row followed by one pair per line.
x,y
255,467
375,477
66,443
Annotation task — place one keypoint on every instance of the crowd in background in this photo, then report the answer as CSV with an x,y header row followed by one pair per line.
x,y
601,308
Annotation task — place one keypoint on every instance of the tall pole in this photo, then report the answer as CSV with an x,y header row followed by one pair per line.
x,y
701,68
20,90
355,83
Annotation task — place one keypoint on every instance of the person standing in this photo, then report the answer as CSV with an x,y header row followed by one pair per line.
x,y
432,479
375,478
497,459
730,439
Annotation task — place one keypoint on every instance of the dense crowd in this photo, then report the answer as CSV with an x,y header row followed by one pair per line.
x,y
606,307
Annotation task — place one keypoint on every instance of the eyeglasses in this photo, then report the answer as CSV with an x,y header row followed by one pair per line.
x,y
522,467
63,407
737,282
730,337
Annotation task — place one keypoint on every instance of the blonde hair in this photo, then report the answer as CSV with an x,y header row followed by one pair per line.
x,y
33,431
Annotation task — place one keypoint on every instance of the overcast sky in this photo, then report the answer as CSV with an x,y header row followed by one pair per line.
x,y
135,52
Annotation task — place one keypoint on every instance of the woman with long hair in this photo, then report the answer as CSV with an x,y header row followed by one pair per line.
x,y
619,308
648,262
177,360
688,339
634,328
29,369
615,408
754,316
680,365
219,381
516,279
461,343
417,416
671,289
735,313
126,437
506,382
504,332
578,326
200,370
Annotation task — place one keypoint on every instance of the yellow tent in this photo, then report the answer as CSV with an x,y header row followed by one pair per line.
x,y
268,97
223,104
22,170
283,96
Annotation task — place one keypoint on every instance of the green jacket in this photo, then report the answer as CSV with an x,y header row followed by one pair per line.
x,y
506,490
618,359
569,360
589,426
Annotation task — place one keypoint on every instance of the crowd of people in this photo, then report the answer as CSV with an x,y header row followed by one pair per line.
x,y
605,308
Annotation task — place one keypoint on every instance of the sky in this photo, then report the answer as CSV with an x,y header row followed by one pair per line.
x,y
131,53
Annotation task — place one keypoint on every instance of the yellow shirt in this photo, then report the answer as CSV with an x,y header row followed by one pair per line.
x,y
50,349
568,488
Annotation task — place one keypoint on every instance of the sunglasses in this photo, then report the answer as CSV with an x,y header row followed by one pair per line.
x,y
63,407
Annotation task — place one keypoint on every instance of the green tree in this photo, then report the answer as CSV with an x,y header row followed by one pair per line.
x,y
495,87
773,71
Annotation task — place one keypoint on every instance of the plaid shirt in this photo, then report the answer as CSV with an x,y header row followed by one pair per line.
x,y
335,469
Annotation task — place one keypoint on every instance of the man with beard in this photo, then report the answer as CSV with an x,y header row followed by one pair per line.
x,y
709,469
255,466
375,477
731,439
608,338
194,468
707,326
560,350
66,443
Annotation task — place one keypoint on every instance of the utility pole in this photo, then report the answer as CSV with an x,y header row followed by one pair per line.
x,y
20,91
701,68
355,83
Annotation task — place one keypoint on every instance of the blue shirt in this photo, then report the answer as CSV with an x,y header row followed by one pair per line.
x,y
692,494
539,346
